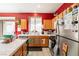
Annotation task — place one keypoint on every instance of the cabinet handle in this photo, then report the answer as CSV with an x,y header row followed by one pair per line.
x,y
43,41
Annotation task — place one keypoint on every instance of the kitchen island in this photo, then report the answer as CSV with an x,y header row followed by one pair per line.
x,y
18,47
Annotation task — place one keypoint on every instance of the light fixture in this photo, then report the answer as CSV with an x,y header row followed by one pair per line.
x,y
35,14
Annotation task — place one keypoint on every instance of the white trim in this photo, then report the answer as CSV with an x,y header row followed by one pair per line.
x,y
7,18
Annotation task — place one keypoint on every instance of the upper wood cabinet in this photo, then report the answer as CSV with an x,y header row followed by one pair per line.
x,y
75,4
61,15
23,24
47,24
53,25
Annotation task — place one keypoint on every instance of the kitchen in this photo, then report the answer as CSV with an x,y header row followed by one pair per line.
x,y
35,29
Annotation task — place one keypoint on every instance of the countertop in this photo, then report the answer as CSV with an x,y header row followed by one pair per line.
x,y
10,48
36,35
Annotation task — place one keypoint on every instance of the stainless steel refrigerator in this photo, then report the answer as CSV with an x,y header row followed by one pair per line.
x,y
67,32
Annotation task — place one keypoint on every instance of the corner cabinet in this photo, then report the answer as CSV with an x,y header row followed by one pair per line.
x,y
38,41
47,24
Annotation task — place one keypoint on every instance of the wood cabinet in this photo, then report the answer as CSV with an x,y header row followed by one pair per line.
x,y
47,24
38,41
34,41
22,51
44,41
61,15
19,52
25,51
53,24
23,24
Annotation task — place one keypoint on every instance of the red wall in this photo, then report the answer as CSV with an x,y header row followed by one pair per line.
x,y
43,15
63,7
26,15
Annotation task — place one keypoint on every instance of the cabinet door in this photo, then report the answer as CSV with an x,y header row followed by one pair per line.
x,y
34,41
23,24
19,52
39,41
25,49
47,24
31,41
44,41
55,24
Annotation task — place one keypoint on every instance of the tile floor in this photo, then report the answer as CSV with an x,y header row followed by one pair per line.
x,y
44,52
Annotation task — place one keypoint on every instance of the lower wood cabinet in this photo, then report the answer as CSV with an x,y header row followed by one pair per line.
x,y
45,41
37,41
22,51
19,52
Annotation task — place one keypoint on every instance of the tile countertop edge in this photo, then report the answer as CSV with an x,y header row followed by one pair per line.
x,y
17,44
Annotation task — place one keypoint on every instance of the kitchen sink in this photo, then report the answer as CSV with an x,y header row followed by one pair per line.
x,y
1,39
6,39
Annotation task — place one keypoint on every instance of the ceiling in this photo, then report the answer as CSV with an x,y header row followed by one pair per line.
x,y
29,7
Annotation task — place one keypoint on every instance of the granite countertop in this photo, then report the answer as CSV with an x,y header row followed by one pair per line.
x,y
10,48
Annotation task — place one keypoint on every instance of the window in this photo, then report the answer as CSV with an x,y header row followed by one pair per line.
x,y
8,28
35,24
8,25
